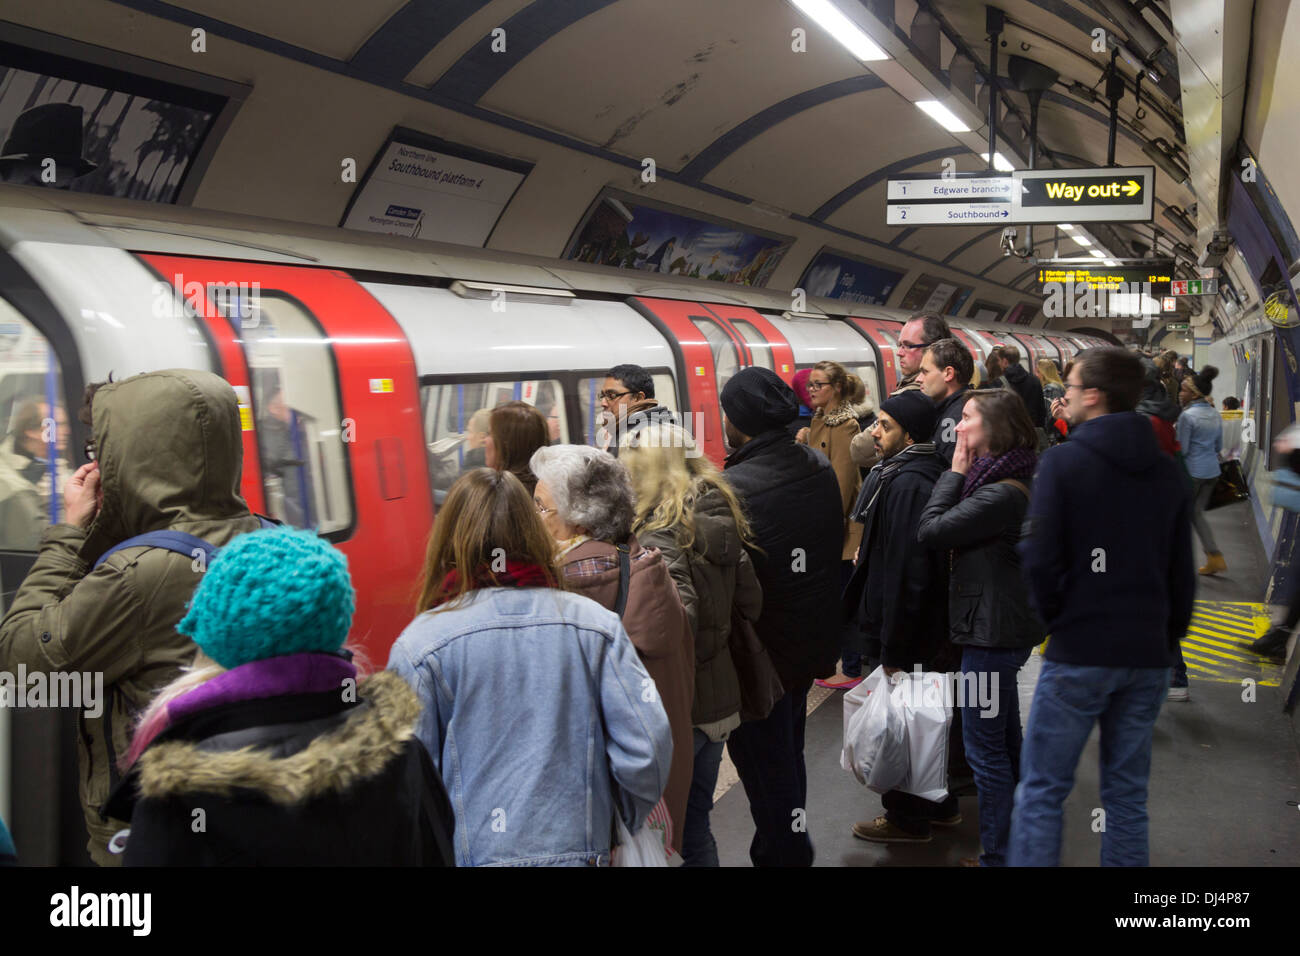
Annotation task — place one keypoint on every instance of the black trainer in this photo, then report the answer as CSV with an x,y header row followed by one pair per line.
x,y
1273,644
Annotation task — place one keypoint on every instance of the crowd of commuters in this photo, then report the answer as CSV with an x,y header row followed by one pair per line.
x,y
578,654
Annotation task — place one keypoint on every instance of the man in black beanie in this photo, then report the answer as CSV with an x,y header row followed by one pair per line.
x,y
793,502
899,590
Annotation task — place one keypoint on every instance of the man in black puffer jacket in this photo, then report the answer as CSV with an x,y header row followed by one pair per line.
x,y
793,503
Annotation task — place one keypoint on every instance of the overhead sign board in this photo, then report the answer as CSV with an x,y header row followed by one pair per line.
x,y
1106,194
1151,279
947,213
951,190
1177,326
1194,287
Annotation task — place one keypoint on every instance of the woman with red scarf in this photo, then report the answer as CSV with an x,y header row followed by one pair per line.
x,y
975,512
538,713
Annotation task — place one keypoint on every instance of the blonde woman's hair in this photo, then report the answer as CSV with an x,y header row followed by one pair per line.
x,y
669,476
1048,373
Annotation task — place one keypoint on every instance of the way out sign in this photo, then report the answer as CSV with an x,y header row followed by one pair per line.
x,y
1107,194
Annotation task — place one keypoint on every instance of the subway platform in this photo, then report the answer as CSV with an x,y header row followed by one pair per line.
x,y
1225,776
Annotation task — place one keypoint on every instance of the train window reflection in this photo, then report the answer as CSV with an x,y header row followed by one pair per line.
x,y
456,422
759,348
589,402
300,428
726,362
34,463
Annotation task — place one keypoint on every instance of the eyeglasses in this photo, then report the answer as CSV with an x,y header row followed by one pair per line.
x,y
541,510
1070,385
912,346
88,449
609,394
818,386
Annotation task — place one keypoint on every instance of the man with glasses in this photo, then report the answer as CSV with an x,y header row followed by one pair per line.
x,y
1107,559
919,333
628,404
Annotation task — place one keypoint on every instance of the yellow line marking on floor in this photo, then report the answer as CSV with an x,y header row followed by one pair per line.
x,y
1212,646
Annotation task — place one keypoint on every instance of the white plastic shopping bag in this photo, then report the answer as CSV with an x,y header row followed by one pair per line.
x,y
875,734
643,848
926,702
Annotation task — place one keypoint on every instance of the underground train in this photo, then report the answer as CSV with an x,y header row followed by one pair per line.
x,y
359,359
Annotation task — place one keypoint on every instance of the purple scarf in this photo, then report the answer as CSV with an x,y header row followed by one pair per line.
x,y
1016,463
272,677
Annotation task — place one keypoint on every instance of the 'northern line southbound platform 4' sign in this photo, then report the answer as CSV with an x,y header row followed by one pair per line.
x,y
1106,194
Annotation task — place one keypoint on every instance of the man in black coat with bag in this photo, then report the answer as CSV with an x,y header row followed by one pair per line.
x,y
899,590
793,502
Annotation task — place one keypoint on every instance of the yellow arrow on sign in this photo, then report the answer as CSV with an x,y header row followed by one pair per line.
x,y
1131,188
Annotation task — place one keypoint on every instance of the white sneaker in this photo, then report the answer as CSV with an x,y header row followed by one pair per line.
x,y
1179,693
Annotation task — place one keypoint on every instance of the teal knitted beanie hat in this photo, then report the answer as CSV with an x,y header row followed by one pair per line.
x,y
270,593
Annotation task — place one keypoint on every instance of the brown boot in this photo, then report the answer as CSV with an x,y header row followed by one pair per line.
x,y
1214,563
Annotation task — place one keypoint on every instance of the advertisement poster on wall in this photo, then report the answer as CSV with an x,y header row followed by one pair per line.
x,y
982,311
626,232
1023,313
75,125
422,187
931,294
834,275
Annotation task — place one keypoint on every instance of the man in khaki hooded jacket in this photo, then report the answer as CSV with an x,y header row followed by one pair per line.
x,y
168,457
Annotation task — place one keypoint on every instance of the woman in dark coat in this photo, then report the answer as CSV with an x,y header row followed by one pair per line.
x,y
976,511
273,750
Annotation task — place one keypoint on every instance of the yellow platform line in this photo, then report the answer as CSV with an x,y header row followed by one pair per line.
x,y
1245,624
1196,635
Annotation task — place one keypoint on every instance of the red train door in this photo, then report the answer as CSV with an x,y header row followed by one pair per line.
x,y
973,344
697,336
764,345
332,432
884,334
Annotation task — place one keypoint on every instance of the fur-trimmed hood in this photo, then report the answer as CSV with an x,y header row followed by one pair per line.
x,y
373,733
846,412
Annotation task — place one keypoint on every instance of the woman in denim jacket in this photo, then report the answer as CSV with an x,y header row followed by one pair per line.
x,y
537,712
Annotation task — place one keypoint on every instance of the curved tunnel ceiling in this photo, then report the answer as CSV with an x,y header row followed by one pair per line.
x,y
715,95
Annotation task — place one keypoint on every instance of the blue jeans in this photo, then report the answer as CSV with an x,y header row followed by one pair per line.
x,y
992,740
768,755
1069,699
698,845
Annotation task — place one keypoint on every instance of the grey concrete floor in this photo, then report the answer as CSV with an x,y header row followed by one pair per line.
x,y
1225,778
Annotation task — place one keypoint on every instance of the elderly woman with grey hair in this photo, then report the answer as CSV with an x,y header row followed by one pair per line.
x,y
585,499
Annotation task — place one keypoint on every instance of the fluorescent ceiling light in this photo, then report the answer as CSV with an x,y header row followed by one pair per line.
x,y
1109,262
829,18
1097,253
1066,226
999,162
1082,240
943,116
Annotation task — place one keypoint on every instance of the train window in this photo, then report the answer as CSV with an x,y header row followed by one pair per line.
x,y
299,423
589,402
868,374
726,361
34,462
456,422
759,348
